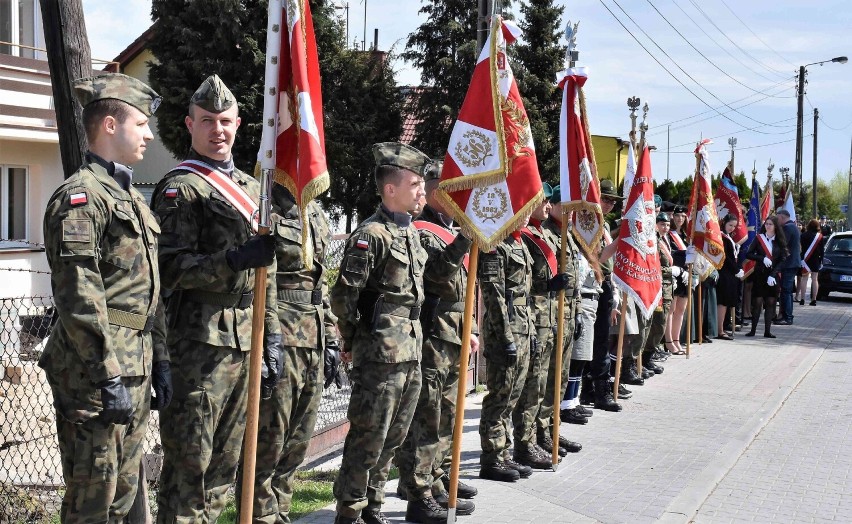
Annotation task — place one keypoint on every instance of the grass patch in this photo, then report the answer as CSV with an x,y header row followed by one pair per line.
x,y
312,490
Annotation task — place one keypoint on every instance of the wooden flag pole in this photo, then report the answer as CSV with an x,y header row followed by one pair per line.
x,y
560,340
699,314
689,311
733,322
458,427
620,345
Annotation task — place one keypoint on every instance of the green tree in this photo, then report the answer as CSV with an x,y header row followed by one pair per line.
x,y
540,57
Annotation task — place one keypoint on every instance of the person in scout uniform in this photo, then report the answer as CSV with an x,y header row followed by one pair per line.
x,y
669,273
108,345
544,419
208,251
377,301
508,334
424,457
309,336
543,246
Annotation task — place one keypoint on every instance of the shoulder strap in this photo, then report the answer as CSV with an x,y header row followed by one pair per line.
x,y
222,183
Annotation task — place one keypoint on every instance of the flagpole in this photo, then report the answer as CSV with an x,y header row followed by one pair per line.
x,y
699,314
267,160
560,340
692,214
619,348
458,427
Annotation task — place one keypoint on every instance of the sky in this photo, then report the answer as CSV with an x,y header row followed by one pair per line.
x,y
740,58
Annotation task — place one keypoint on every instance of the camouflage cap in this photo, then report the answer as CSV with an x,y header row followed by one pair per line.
x,y
118,87
434,170
213,95
402,156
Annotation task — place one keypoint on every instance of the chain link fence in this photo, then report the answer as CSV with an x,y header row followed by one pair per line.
x,y
30,468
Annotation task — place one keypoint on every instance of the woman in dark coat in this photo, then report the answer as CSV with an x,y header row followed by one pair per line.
x,y
727,290
813,245
768,250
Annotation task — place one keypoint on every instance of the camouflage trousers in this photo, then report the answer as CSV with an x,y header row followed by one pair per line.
x,y
526,410
545,412
421,457
381,407
100,462
658,327
505,382
202,431
285,426
632,345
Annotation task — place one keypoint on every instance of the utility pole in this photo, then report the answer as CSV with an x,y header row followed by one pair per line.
x,y
668,148
69,58
800,96
816,118
484,10
733,143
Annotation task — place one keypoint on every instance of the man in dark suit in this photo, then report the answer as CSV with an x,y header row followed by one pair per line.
x,y
790,266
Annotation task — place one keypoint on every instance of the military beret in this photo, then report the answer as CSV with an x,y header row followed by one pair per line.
x,y
608,190
434,170
548,191
555,195
402,156
667,207
213,95
118,87
663,217
679,209
658,200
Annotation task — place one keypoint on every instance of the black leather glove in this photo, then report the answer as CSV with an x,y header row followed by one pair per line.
x,y
558,282
258,251
117,407
331,364
534,346
511,354
578,328
161,380
273,363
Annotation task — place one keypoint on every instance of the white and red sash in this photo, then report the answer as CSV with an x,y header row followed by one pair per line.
x,y
764,243
446,236
229,189
677,241
810,251
542,246
667,251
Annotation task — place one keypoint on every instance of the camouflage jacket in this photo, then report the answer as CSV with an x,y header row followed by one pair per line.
x,y
544,303
304,309
506,273
384,258
101,245
199,227
445,277
665,267
572,254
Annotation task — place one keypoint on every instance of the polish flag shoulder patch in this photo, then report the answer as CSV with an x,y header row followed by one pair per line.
x,y
79,199
362,244
171,192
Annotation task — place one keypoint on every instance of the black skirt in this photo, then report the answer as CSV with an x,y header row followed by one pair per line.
x,y
727,290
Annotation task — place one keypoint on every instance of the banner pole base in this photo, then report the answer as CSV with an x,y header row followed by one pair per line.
x,y
451,514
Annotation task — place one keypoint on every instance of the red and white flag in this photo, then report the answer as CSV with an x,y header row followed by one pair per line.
x,y
703,229
578,178
767,203
636,268
727,202
491,116
789,206
490,182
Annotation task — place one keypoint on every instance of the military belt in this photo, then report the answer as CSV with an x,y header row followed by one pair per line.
x,y
235,300
143,323
301,296
451,307
590,296
411,313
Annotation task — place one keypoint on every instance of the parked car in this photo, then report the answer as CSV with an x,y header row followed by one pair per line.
x,y
836,271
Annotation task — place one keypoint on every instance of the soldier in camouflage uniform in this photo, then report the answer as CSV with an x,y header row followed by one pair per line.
x,y
101,244
543,246
424,458
207,254
508,334
658,321
544,421
377,301
288,415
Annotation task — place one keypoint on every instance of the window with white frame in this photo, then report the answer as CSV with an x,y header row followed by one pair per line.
x,y
14,182
21,29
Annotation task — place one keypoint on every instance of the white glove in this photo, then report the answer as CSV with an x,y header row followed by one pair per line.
x,y
695,281
676,271
740,274
684,277
770,281
767,262
690,254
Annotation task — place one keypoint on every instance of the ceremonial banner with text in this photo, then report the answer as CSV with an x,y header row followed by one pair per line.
x,y
767,204
703,229
728,202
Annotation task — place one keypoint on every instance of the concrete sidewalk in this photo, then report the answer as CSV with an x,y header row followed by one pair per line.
x,y
732,434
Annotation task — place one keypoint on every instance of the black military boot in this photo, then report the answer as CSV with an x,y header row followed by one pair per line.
x,y
463,507
623,392
527,455
587,395
463,491
569,445
603,396
498,471
543,439
572,416
373,516
524,471
646,373
340,519
629,375
401,491
583,410
651,365
425,511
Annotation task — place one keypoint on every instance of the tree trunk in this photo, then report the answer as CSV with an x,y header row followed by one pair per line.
x,y
69,58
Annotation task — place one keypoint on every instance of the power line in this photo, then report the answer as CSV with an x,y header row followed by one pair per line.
x,y
687,74
700,28
738,149
822,118
756,35
700,53
743,51
729,133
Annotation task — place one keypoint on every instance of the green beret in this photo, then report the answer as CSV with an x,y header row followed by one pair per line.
x,y
548,191
434,170
608,190
402,156
658,200
555,195
213,95
118,87
663,217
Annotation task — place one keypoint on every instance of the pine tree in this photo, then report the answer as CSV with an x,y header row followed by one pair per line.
x,y
539,57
